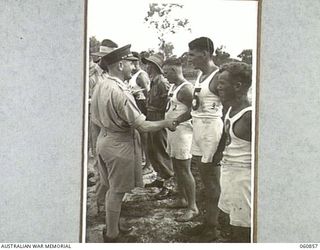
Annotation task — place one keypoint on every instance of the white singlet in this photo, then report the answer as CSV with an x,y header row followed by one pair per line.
x,y
176,108
133,86
235,176
179,141
205,104
237,151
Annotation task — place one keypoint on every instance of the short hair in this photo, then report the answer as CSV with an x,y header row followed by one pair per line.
x,y
202,43
173,61
109,43
239,71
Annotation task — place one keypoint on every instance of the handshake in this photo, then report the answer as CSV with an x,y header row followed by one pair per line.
x,y
172,124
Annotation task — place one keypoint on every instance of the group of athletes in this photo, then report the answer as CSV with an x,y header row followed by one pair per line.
x,y
175,123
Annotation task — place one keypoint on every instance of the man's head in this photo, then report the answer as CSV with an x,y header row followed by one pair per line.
x,y
234,80
154,64
106,47
136,64
172,69
200,51
119,62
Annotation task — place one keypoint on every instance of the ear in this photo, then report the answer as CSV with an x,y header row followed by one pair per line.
x,y
175,69
120,66
237,86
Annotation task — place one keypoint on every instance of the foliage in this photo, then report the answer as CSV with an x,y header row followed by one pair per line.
x,y
163,19
246,56
168,49
221,56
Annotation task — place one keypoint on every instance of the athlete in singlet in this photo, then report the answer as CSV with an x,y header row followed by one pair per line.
x,y
207,130
179,141
235,199
139,84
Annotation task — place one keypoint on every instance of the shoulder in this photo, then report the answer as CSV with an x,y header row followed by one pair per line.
x,y
185,94
186,89
162,81
214,83
247,115
247,118
143,76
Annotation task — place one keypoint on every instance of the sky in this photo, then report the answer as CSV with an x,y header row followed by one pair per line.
x,y
229,23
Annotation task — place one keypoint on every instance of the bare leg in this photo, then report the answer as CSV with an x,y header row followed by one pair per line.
x,y
189,188
210,176
113,209
182,200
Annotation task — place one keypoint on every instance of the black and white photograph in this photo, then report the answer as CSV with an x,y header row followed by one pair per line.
x,y
158,122
171,107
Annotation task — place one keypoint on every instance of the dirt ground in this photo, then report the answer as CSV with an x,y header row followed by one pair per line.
x,y
152,220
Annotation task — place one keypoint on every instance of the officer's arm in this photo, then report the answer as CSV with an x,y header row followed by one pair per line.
x,y
152,126
129,112
95,130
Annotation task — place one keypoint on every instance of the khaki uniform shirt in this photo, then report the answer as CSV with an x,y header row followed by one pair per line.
x,y
113,107
157,98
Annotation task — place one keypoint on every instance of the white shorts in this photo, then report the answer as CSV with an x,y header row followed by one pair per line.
x,y
179,142
206,137
235,197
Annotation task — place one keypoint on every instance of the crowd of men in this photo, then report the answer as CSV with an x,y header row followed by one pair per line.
x,y
174,122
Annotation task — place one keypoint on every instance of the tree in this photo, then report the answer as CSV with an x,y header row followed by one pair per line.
x,y
221,56
163,19
168,49
246,56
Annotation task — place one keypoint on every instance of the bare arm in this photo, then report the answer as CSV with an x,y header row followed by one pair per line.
x,y
185,96
217,157
213,85
143,81
95,130
243,128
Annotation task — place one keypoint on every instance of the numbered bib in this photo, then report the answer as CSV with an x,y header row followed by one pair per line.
x,y
196,99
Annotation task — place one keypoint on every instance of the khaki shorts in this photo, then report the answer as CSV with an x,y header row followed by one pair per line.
x,y
206,137
120,162
235,197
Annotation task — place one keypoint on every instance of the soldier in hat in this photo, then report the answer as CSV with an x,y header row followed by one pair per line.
x,y
96,75
118,147
95,71
157,141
